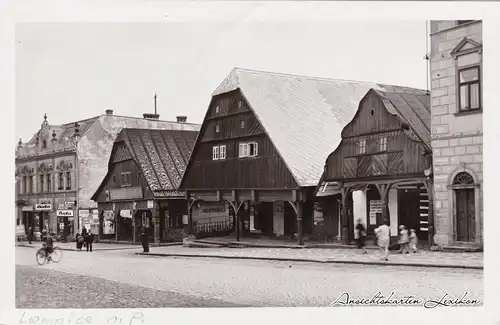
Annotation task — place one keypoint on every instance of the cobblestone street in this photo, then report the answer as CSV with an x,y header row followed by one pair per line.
x,y
116,279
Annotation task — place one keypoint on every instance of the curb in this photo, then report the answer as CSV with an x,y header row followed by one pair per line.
x,y
284,259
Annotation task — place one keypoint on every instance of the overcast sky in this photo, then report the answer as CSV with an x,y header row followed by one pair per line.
x,y
72,71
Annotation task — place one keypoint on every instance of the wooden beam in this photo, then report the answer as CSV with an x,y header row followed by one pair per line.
x,y
254,197
294,195
233,195
219,196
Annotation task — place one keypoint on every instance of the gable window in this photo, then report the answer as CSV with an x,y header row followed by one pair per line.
x,y
222,151
61,182
239,104
361,146
242,124
217,109
382,144
44,144
248,149
49,183
217,128
469,91
215,153
126,179
68,180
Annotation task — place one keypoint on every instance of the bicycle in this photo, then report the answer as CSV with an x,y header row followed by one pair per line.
x,y
42,257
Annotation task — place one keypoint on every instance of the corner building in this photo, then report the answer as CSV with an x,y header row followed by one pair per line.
x,y
457,131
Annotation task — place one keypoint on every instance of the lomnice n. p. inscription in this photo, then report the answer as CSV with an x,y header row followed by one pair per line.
x,y
135,318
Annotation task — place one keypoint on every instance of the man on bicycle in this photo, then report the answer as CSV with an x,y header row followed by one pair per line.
x,y
49,244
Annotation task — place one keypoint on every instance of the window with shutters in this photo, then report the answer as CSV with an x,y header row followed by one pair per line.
x,y
248,149
215,153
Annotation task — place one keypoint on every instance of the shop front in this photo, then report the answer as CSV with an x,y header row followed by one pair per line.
x,y
28,215
43,212
65,220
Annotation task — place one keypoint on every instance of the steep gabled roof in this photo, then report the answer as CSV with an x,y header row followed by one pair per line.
x,y
160,155
411,106
303,116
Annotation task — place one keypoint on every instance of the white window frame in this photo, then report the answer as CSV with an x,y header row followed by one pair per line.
x,y
215,152
361,145
382,145
222,152
244,149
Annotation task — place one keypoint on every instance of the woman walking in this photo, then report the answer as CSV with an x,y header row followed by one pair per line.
x,y
79,242
360,228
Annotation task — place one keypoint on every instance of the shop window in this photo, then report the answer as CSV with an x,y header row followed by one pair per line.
x,y
175,222
126,179
68,181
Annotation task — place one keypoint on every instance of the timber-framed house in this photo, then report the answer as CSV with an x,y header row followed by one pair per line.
x,y
381,171
261,152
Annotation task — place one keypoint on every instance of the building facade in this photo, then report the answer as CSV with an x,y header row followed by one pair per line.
x,y
457,131
262,149
61,166
140,187
379,168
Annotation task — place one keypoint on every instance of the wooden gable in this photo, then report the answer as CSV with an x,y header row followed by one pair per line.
x,y
234,123
111,189
371,127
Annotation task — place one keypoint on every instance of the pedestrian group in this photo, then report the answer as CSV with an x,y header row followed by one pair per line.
x,y
85,239
407,240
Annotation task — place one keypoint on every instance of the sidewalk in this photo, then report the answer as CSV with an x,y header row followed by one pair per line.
x,y
72,246
329,255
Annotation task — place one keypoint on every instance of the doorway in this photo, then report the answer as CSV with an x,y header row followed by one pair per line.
x,y
465,215
409,210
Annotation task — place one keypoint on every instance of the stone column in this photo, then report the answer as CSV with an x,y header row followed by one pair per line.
x,y
300,231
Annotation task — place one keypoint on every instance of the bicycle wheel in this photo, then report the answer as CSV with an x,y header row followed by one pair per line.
x,y
56,255
40,256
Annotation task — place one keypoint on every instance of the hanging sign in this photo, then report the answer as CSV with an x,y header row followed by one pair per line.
x,y
43,207
64,213
27,208
150,204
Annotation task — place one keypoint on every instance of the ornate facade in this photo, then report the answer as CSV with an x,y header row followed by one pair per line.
x,y
61,166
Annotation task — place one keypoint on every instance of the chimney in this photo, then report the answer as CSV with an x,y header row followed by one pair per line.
x,y
109,111
181,119
150,116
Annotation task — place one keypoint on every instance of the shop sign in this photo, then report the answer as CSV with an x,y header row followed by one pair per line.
x,y
64,213
375,208
126,214
150,204
185,219
28,208
43,207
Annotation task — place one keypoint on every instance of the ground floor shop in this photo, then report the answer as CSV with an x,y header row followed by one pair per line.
x,y
163,220
284,213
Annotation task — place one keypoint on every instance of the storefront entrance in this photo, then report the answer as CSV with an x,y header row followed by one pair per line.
x,y
125,226
144,218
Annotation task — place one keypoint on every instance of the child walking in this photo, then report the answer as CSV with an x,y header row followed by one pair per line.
x,y
404,240
361,236
413,240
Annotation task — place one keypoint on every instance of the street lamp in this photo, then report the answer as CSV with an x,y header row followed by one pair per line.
x,y
76,138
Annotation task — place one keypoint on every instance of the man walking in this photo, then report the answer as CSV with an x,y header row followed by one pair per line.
x,y
383,238
89,240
